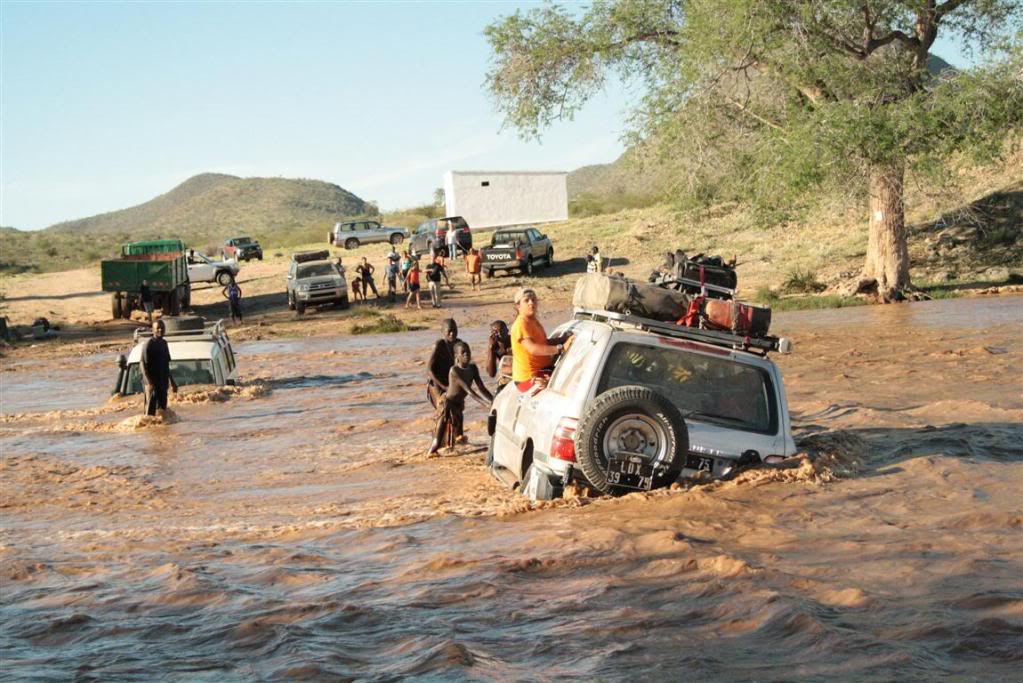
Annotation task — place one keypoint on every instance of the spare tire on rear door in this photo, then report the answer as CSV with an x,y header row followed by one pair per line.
x,y
631,439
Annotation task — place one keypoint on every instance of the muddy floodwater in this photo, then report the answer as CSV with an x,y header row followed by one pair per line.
x,y
291,528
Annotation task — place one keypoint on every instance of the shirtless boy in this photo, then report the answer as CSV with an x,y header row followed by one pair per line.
x,y
450,414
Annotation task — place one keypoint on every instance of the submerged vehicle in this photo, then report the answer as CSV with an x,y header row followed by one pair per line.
x,y
200,353
635,404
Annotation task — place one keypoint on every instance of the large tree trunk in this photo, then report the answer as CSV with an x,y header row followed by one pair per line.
x,y
887,268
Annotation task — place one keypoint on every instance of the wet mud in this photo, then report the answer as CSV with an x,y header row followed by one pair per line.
x,y
293,528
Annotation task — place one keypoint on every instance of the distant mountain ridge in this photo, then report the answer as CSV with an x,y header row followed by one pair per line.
x,y
216,203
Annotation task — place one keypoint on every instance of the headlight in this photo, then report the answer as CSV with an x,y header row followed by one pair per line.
x,y
303,288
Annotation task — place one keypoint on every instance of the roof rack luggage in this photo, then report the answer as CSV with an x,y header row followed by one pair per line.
x,y
208,331
762,345
305,256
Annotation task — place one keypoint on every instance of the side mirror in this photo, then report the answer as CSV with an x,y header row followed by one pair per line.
x,y
122,361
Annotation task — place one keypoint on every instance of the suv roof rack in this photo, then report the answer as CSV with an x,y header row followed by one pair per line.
x,y
307,256
209,332
761,345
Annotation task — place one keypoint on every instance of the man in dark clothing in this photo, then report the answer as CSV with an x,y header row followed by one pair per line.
x,y
434,272
156,370
146,299
441,361
365,271
498,345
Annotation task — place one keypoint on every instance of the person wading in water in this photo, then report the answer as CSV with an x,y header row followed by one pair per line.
x,y
441,361
156,370
451,407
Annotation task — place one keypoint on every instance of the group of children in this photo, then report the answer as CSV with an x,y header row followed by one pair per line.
x,y
453,377
405,269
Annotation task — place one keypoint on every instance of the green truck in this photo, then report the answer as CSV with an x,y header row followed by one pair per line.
x,y
162,263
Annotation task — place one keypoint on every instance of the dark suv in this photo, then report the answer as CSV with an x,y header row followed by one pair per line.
x,y
242,249
432,235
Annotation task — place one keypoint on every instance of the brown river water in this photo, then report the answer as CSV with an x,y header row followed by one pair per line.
x,y
292,529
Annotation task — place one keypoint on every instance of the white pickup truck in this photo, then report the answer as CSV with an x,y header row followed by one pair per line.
x,y
204,269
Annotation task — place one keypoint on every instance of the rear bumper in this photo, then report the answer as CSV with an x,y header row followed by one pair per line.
x,y
501,265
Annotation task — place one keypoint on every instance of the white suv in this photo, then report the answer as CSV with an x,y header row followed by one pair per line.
x,y
635,404
200,352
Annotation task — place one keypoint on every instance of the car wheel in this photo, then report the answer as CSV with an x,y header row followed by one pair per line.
x,y
550,257
488,273
291,302
343,302
351,243
224,278
115,305
397,238
299,307
259,257
632,421
528,268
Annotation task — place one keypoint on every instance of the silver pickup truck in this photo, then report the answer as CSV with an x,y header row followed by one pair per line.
x,y
518,248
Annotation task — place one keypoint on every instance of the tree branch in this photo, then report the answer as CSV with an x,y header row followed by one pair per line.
x,y
745,110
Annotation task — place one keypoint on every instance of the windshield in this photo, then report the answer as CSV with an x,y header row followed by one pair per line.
x,y
707,389
316,270
185,372
508,237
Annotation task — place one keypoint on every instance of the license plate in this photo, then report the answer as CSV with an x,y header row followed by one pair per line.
x,y
695,462
630,473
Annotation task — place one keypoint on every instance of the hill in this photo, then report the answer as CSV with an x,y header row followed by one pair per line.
x,y
203,211
217,204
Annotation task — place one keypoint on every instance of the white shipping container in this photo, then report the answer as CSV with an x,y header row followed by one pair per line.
x,y
492,199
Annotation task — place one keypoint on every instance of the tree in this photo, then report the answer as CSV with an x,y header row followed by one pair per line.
x,y
438,196
781,94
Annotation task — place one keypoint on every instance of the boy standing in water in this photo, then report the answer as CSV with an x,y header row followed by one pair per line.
x,y
451,409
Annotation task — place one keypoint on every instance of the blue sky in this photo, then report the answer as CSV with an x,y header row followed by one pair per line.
x,y
106,105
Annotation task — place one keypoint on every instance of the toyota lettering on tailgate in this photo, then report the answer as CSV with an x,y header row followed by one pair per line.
x,y
498,257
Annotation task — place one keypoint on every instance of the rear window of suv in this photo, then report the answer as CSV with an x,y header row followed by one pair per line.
x,y
712,390
509,237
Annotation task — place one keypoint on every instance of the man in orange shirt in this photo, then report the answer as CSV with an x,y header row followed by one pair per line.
x,y
472,267
532,352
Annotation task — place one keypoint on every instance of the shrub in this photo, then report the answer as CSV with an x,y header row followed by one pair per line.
x,y
383,325
802,282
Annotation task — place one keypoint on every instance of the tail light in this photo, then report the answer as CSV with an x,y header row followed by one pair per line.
x,y
518,254
563,443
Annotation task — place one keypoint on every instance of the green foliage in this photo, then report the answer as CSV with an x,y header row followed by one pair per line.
x,y
769,101
587,204
383,325
802,281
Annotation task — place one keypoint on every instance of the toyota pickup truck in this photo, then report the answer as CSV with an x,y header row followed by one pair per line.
x,y
518,248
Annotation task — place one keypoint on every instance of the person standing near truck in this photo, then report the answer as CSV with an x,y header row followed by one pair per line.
x,y
146,299
434,272
156,371
473,267
233,294
365,271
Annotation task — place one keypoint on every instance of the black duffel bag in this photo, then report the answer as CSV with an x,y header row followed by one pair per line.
x,y
596,291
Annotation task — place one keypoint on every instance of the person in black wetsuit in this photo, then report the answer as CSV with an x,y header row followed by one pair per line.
x,y
156,370
441,361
